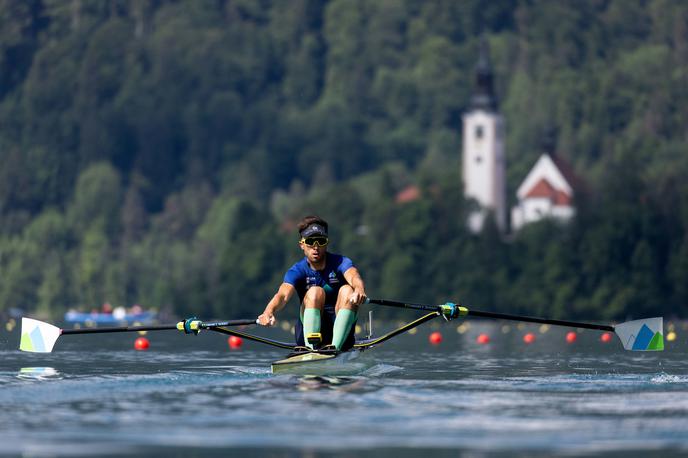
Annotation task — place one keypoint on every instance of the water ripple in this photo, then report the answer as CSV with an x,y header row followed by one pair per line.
x,y
497,399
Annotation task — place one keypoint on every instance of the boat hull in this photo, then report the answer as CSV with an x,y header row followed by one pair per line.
x,y
315,363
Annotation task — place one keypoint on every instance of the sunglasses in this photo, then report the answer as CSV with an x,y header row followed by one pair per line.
x,y
315,241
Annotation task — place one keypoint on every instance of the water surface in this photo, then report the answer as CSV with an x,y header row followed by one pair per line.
x,y
192,396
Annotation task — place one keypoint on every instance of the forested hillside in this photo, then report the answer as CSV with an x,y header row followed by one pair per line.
x,y
159,151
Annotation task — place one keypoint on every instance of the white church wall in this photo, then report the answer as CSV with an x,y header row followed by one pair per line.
x,y
484,172
563,212
534,209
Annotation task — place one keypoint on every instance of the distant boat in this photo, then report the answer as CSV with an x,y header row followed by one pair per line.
x,y
100,318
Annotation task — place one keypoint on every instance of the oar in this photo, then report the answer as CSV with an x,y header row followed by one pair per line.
x,y
40,337
637,335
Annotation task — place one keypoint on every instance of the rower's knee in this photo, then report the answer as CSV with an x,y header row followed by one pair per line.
x,y
344,292
314,298
343,298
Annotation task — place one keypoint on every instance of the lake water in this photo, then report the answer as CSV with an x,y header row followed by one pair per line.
x,y
192,396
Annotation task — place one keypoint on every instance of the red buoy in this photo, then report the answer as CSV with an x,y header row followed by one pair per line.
x,y
483,339
141,343
234,342
435,338
529,338
571,337
606,337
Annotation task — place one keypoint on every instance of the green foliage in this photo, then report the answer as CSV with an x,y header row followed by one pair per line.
x,y
90,267
97,200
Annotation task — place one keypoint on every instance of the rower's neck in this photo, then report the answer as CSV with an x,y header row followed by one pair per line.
x,y
320,265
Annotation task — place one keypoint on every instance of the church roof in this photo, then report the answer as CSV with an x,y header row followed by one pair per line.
x,y
408,194
567,170
543,189
550,177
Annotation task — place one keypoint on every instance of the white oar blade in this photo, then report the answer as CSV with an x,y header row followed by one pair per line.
x,y
37,336
642,335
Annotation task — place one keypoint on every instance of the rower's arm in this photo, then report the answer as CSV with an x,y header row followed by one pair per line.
x,y
277,303
354,279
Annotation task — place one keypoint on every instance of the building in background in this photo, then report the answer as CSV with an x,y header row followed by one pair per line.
x,y
546,192
483,161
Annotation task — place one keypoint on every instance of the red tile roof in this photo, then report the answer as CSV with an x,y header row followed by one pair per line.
x,y
544,189
408,194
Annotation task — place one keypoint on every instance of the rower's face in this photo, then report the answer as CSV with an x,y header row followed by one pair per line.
x,y
314,253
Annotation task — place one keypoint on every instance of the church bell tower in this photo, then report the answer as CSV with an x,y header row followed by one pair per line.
x,y
484,166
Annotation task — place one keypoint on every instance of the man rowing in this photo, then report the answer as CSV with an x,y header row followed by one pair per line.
x,y
330,290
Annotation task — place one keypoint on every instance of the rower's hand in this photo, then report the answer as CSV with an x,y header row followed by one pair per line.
x,y
357,297
266,319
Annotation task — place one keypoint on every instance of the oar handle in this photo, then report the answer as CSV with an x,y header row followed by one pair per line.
x,y
219,324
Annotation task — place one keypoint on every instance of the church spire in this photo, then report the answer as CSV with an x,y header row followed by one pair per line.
x,y
549,141
483,96
484,162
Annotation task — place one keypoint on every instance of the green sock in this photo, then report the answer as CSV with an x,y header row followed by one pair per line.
x,y
311,323
342,326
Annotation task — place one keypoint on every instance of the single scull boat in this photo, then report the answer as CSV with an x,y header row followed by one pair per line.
x,y
638,335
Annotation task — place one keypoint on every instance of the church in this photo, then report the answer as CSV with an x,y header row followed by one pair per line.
x,y
546,192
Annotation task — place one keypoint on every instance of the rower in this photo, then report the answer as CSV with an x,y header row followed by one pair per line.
x,y
329,287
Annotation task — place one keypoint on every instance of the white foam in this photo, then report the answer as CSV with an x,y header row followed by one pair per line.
x,y
667,378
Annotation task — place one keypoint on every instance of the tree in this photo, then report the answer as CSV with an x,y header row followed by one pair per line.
x,y
97,199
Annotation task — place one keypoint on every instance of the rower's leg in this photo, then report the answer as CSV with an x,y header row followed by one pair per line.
x,y
313,303
346,316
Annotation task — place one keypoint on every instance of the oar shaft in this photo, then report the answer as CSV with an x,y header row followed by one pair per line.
x,y
159,327
498,316
405,305
162,327
530,319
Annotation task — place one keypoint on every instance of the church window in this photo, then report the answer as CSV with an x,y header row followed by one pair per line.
x,y
479,132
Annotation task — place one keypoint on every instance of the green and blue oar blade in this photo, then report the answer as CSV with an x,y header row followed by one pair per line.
x,y
642,335
37,336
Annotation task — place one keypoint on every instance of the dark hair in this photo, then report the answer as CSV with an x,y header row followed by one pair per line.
x,y
311,219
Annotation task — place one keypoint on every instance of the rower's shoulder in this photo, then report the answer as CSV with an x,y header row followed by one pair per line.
x,y
336,258
299,265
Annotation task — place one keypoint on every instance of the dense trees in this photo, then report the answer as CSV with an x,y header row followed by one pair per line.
x,y
160,151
